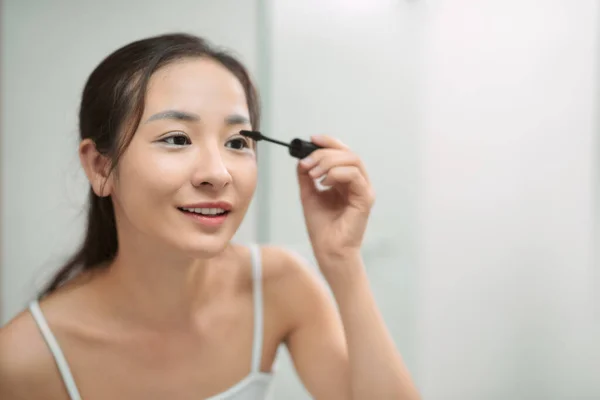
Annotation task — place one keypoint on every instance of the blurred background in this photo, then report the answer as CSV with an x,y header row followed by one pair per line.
x,y
477,120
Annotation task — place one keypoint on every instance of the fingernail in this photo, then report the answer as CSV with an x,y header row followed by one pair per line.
x,y
319,184
307,162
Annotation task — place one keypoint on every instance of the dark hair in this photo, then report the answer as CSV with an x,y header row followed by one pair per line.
x,y
111,107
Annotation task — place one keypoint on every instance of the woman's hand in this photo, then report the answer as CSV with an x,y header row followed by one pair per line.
x,y
336,219
365,361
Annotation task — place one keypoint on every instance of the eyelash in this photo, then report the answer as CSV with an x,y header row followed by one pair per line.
x,y
245,143
176,136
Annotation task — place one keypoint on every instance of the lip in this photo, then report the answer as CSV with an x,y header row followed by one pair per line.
x,y
217,204
212,222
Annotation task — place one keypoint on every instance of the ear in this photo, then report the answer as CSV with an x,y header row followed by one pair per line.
x,y
97,168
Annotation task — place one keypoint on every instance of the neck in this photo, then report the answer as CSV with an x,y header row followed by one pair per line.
x,y
152,286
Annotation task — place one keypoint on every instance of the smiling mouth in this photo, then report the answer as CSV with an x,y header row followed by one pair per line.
x,y
205,212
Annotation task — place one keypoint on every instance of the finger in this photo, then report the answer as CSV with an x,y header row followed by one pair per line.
x,y
306,183
351,176
328,142
323,160
335,160
317,157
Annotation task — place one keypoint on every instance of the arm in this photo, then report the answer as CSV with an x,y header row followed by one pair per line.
x,y
350,354
376,367
336,220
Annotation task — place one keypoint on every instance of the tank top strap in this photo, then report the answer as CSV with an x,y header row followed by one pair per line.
x,y
59,357
258,306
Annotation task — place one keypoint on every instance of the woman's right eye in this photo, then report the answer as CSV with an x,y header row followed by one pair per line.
x,y
177,140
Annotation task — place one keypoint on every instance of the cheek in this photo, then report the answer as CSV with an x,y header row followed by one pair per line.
x,y
149,178
245,178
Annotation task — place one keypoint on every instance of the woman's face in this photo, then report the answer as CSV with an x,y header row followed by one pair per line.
x,y
188,176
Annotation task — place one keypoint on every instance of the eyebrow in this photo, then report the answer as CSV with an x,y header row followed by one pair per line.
x,y
237,119
234,119
174,114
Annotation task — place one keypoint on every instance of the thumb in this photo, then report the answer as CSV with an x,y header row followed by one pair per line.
x,y
305,181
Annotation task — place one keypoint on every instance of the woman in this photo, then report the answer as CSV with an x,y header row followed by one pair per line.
x,y
158,303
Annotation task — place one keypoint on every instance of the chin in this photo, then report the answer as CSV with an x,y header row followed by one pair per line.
x,y
208,246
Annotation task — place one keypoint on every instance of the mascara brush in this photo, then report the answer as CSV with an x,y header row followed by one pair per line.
x,y
298,148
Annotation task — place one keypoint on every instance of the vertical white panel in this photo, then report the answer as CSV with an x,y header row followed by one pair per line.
x,y
349,69
507,214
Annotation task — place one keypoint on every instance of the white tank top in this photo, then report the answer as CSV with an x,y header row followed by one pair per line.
x,y
255,386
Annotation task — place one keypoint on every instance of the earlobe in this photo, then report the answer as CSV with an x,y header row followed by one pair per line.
x,y
96,167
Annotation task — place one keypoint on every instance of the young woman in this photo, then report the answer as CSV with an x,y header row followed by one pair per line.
x,y
158,303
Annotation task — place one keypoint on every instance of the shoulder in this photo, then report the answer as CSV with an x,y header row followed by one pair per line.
x,y
285,268
295,286
26,366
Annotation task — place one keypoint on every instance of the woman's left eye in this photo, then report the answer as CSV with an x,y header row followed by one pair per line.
x,y
238,144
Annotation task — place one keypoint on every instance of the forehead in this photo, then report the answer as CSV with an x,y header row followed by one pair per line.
x,y
199,85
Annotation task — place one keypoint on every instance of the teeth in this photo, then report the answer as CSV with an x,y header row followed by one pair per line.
x,y
205,211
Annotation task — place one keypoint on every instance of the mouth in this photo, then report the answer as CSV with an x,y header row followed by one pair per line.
x,y
208,217
205,212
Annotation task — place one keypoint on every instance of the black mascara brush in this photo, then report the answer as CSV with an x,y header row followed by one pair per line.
x,y
298,148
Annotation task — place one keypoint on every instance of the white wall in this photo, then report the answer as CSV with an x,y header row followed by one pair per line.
x,y
476,120
48,50
506,219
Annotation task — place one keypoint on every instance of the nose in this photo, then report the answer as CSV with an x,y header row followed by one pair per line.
x,y
211,171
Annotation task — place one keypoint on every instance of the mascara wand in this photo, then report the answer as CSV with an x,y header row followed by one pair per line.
x,y
298,148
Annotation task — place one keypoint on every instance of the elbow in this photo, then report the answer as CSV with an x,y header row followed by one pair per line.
x,y
410,393
406,392
414,394
399,393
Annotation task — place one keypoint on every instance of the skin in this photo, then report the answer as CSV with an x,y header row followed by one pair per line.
x,y
172,315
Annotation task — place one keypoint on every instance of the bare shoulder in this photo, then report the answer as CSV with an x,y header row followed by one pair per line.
x,y
27,369
294,286
285,270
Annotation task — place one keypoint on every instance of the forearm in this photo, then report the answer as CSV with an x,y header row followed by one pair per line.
x,y
376,367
